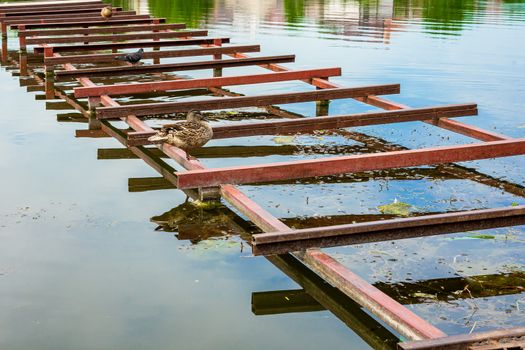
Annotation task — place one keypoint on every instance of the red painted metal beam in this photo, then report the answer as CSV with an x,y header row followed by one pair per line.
x,y
15,7
464,341
368,296
124,89
101,30
171,67
385,230
245,101
128,45
92,13
280,127
59,10
13,24
117,37
88,23
349,164
110,57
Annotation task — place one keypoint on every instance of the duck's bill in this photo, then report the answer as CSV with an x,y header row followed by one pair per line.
x,y
157,139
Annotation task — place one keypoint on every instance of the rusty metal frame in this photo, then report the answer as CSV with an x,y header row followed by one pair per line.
x,y
385,308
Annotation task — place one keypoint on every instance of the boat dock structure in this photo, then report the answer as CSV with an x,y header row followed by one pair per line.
x,y
55,43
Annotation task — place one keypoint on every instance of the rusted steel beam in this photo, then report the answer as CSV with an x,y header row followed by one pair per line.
x,y
349,164
15,7
324,123
452,125
123,89
465,341
368,296
110,57
14,24
245,101
385,230
102,30
126,45
92,13
170,67
56,10
121,37
92,23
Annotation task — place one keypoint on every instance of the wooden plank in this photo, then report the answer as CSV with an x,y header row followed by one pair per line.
x,y
245,101
171,67
110,57
349,164
284,127
89,13
124,89
462,341
385,230
127,45
88,23
101,30
121,37
14,23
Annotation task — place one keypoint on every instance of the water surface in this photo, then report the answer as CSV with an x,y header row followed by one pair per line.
x,y
92,257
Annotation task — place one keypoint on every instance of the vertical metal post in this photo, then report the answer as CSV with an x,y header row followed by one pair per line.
x,y
22,53
156,60
49,75
322,107
93,122
4,42
217,72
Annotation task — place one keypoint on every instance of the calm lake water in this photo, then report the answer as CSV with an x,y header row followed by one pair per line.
x,y
90,260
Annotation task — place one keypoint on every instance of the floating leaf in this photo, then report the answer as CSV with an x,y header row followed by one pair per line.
x,y
514,204
396,208
284,139
481,236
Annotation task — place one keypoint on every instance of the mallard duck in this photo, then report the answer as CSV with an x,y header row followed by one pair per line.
x,y
193,133
106,12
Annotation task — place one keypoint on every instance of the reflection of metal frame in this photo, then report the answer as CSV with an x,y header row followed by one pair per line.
x,y
391,312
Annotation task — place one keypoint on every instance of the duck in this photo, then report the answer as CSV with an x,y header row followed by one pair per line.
x,y
106,12
193,133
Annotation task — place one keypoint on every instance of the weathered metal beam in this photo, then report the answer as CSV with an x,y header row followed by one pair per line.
x,y
126,45
368,296
172,67
326,123
14,24
56,10
89,14
92,23
123,89
348,164
114,38
384,230
15,7
101,30
110,57
245,101
464,341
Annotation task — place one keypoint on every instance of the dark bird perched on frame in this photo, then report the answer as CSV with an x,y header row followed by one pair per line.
x,y
106,12
131,57
193,133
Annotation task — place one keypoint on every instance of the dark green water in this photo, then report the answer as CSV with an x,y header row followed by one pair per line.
x,y
82,266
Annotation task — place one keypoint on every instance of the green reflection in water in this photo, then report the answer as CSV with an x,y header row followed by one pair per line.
x,y
193,12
